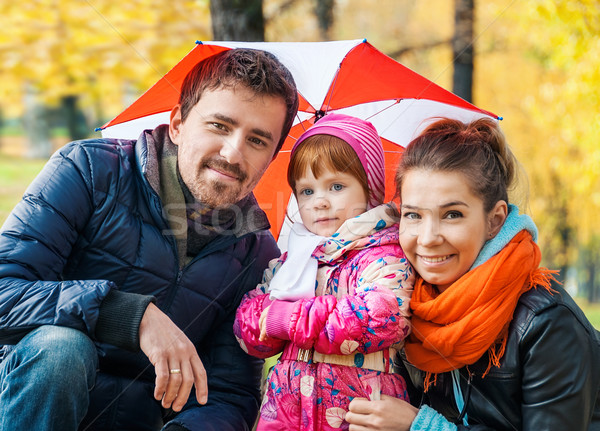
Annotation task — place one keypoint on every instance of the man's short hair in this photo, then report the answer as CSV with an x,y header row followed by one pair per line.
x,y
258,70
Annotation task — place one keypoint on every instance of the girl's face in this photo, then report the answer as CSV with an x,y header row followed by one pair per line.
x,y
443,225
327,202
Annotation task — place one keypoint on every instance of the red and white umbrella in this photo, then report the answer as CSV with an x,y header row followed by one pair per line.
x,y
350,77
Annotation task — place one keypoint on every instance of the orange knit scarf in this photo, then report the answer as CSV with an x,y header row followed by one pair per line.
x,y
455,328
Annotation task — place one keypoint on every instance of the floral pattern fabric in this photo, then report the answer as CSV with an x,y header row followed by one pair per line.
x,y
361,306
315,396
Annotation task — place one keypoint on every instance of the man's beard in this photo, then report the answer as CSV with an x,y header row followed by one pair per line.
x,y
215,193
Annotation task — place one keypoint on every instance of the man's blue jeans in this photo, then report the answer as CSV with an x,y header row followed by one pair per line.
x,y
47,388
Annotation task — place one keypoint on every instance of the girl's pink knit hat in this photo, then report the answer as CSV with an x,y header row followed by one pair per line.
x,y
362,136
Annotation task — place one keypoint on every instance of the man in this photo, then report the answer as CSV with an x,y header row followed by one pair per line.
x,y
122,267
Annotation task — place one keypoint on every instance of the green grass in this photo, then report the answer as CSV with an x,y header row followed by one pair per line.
x,y
592,311
15,175
269,363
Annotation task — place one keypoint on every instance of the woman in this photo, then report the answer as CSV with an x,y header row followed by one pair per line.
x,y
493,347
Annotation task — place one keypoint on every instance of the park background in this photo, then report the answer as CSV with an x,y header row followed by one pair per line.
x,y
68,66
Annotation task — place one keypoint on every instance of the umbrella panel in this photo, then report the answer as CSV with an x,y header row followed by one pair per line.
x,y
350,77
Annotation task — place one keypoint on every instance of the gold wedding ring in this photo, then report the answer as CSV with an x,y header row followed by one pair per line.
x,y
175,371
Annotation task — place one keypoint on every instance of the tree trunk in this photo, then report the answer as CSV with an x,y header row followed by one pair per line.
x,y
462,47
591,291
324,12
1,125
35,123
75,120
590,258
564,233
237,20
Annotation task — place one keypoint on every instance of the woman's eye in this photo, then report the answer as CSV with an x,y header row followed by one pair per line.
x,y
337,187
410,215
453,214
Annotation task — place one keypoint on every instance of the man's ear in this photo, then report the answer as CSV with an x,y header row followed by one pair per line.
x,y
496,218
175,124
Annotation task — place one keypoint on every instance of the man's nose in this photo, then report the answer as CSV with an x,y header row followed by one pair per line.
x,y
232,149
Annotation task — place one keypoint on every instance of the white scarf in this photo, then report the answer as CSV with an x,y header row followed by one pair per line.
x,y
297,276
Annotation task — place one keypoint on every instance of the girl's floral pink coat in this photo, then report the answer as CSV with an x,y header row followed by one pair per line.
x,y
355,323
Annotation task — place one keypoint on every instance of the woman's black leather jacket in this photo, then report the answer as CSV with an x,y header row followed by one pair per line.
x,y
549,376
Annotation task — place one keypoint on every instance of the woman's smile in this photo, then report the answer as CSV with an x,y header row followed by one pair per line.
x,y
434,259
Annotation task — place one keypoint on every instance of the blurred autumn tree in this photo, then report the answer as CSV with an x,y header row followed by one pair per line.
x,y
536,62
463,49
237,20
535,65
324,12
94,55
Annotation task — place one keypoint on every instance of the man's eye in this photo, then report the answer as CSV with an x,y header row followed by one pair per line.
x,y
218,126
258,142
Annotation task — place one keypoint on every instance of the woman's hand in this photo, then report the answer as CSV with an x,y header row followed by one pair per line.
x,y
387,414
262,324
176,362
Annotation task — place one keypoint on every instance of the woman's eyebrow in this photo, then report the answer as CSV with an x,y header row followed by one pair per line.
x,y
454,203
410,207
446,205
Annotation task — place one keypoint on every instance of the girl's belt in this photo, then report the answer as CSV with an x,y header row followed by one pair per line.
x,y
377,361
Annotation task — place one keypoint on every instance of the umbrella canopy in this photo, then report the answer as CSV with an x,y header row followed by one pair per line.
x,y
350,77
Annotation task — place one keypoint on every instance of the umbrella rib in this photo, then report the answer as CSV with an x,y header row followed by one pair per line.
x,y
396,101
301,123
333,86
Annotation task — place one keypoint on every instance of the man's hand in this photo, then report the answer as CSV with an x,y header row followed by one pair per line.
x,y
176,362
389,413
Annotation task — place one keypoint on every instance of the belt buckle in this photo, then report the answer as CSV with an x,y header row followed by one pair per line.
x,y
305,355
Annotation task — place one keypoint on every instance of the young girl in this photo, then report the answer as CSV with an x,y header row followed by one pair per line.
x,y
336,303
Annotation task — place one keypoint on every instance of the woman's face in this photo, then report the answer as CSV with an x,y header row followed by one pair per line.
x,y
443,225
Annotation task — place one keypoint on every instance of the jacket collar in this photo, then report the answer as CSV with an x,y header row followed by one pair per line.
x,y
157,159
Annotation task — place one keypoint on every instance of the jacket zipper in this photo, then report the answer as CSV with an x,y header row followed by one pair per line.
x,y
466,399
